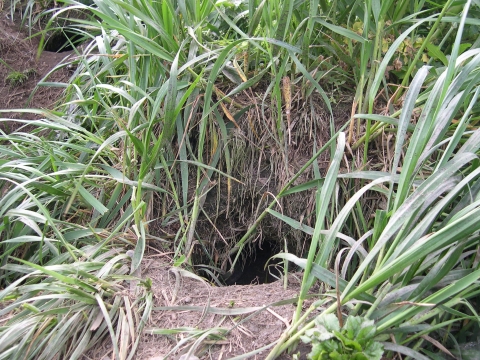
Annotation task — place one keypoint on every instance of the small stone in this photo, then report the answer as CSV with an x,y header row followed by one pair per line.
x,y
186,357
187,300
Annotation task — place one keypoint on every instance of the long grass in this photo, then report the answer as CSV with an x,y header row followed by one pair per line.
x,y
149,125
63,258
429,227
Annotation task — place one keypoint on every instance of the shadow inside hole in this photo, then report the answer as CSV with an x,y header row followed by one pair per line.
x,y
61,41
254,271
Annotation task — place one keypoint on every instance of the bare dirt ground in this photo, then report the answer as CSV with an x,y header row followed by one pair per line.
x,y
20,54
245,333
213,322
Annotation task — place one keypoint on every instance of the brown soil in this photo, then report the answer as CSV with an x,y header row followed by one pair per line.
x,y
244,334
20,54
185,305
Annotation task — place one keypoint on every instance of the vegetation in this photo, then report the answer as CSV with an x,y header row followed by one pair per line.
x,y
353,341
153,123
16,78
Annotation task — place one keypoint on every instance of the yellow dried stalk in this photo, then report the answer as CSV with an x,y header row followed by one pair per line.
x,y
229,115
239,70
287,96
245,62
222,96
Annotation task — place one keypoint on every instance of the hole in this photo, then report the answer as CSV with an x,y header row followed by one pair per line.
x,y
61,41
254,271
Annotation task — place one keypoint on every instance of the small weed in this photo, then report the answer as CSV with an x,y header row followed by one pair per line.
x,y
17,78
352,341
30,72
147,284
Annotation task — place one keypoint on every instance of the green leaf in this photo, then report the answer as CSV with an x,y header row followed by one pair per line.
x,y
90,199
304,187
404,350
328,322
340,30
383,119
354,326
374,350
323,275
435,52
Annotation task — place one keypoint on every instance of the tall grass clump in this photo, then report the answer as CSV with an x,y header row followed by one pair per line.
x,y
164,75
417,283
65,269
167,74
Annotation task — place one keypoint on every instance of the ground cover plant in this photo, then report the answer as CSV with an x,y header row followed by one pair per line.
x,y
205,128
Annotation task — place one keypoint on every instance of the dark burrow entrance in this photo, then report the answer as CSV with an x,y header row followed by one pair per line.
x,y
253,270
61,41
